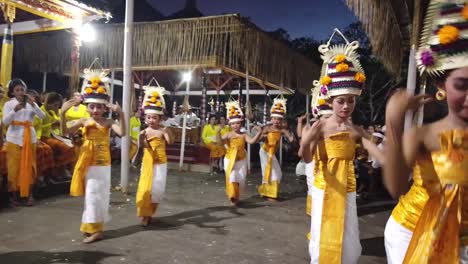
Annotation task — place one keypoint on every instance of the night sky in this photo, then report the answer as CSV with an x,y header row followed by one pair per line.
x,y
312,18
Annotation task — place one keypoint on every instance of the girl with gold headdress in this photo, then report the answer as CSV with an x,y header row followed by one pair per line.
x,y
320,110
271,170
429,224
334,221
153,139
235,163
91,176
18,114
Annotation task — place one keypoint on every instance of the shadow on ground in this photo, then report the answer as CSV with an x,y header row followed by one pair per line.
x,y
43,257
374,246
202,218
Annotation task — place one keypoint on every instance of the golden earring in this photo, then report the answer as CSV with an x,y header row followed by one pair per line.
x,y
441,94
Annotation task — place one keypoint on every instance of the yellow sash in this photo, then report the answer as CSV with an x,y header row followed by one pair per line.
x,y
436,238
270,146
25,178
235,152
340,150
154,154
95,150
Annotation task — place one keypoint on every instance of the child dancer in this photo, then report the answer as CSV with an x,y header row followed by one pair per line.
x,y
320,110
271,170
18,114
334,221
91,176
235,163
429,224
153,139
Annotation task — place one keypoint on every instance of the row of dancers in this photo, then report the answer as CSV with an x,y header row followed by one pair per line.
x,y
429,224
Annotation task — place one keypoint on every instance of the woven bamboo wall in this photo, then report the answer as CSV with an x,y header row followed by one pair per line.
x,y
222,41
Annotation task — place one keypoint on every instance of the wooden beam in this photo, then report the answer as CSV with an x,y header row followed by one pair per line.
x,y
34,26
226,82
259,81
35,11
233,92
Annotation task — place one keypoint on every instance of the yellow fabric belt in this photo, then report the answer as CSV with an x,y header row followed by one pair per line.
x,y
25,178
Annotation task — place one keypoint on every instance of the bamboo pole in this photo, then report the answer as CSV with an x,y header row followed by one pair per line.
x,y
112,90
184,128
44,82
247,102
307,109
411,80
126,100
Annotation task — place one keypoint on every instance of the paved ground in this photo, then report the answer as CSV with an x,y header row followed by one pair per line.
x,y
195,224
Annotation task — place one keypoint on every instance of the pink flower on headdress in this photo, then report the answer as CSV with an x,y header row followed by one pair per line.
x,y
323,90
427,58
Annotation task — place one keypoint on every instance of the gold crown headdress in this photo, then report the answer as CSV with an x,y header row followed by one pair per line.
x,y
153,101
444,39
95,88
278,109
319,103
342,72
234,111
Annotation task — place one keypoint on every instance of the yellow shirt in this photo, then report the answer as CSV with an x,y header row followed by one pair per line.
x,y
135,125
209,134
75,115
47,122
225,129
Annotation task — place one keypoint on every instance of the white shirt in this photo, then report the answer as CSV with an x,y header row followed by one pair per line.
x,y
191,119
15,133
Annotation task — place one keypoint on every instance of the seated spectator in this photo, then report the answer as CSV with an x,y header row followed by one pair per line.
x,y
63,154
210,141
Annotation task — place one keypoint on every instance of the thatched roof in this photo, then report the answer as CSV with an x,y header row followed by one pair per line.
x,y
389,25
221,41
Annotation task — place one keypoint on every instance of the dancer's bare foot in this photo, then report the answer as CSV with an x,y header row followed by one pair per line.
x,y
145,221
234,201
93,238
13,202
271,199
30,201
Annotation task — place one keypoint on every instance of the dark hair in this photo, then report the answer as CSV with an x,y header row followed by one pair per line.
x,y
52,97
212,115
440,79
12,84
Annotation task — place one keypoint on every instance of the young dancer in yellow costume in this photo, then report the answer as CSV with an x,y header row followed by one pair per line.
x,y
91,176
334,221
320,110
429,225
271,170
18,114
153,139
235,162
